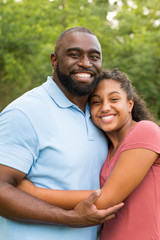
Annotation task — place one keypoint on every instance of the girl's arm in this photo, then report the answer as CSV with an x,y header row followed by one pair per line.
x,y
131,168
66,199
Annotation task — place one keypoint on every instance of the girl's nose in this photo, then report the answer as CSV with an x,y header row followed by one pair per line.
x,y
105,107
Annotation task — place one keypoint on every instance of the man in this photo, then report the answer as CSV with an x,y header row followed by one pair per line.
x,y
47,136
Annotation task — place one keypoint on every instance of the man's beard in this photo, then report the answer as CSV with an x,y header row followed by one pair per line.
x,y
74,87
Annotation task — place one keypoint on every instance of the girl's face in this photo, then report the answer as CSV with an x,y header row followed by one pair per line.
x,y
110,109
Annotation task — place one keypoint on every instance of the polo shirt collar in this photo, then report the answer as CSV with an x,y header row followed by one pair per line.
x,y
56,94
59,97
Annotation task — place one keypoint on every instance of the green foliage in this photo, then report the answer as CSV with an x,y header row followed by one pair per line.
x,y
136,49
29,29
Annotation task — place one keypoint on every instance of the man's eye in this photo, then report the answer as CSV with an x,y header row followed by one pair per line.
x,y
95,57
74,55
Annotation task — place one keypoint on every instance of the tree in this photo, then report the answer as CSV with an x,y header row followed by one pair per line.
x,y
135,47
29,29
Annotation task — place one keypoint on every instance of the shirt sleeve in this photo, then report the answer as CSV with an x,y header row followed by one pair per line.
x,y
18,141
144,134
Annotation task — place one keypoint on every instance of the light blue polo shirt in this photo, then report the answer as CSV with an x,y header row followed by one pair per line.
x,y
50,139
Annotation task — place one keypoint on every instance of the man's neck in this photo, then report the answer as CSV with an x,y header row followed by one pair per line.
x,y
77,100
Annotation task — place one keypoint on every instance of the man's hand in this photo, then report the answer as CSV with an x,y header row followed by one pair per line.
x,y
86,213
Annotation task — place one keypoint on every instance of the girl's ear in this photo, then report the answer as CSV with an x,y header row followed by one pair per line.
x,y
131,104
54,60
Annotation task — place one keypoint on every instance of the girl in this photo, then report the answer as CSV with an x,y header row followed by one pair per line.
x,y
131,172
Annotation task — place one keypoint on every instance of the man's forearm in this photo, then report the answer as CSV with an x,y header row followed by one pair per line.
x,y
18,205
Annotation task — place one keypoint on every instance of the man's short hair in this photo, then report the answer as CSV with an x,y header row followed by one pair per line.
x,y
71,30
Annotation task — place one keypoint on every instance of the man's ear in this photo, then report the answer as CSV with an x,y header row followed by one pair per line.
x,y
54,60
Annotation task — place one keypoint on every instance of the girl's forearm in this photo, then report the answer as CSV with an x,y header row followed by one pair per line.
x,y
64,199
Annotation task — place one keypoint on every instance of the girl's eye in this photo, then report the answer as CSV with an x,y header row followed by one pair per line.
x,y
95,102
114,99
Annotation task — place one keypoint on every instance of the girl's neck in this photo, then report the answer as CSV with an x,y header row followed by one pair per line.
x,y
117,137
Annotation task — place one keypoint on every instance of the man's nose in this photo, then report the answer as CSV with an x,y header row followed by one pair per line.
x,y
85,62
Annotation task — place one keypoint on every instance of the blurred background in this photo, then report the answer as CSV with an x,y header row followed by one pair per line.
x,y
129,32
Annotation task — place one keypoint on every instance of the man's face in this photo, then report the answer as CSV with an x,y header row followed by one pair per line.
x,y
79,63
75,87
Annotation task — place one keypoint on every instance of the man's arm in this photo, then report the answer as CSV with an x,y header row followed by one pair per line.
x,y
18,205
15,204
